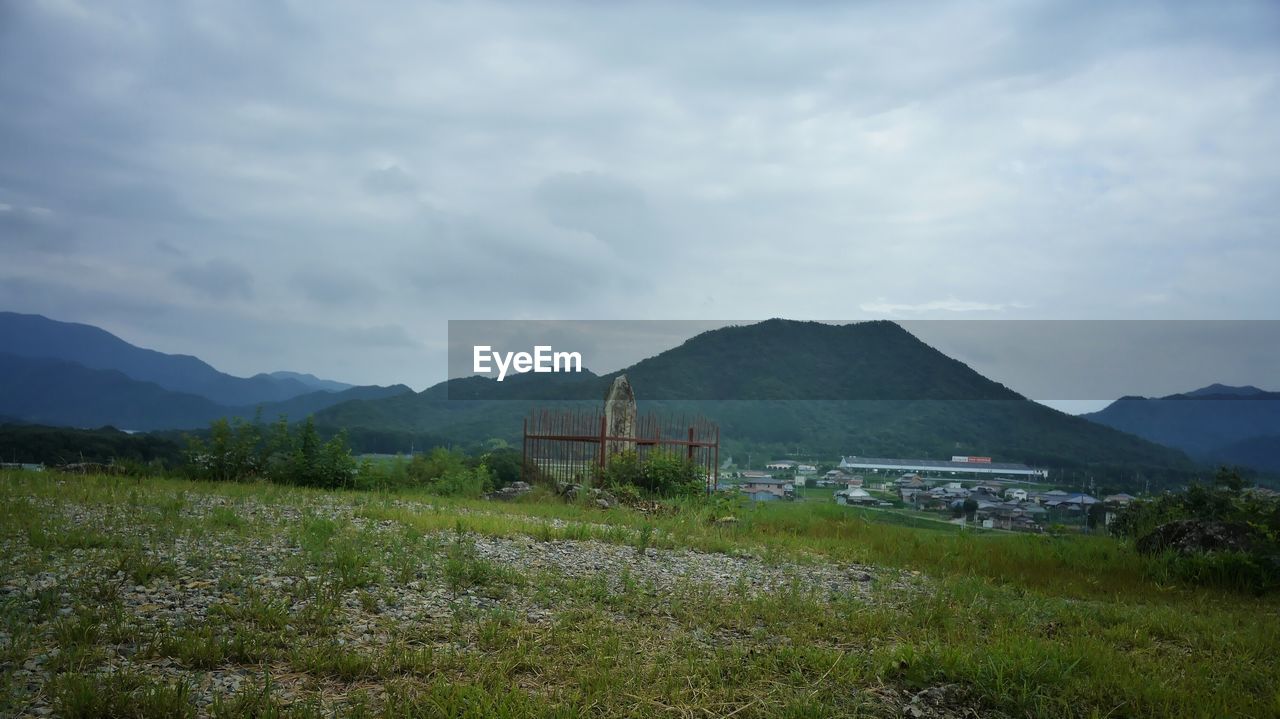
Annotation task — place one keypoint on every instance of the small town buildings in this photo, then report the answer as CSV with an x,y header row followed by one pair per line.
x,y
764,490
854,495
1018,494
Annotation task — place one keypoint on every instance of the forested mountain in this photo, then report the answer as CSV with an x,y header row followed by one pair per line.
x,y
869,388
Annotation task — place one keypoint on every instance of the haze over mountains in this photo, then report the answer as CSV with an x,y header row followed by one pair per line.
x,y
64,373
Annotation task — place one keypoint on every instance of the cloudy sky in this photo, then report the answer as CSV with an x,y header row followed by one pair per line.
x,y
320,187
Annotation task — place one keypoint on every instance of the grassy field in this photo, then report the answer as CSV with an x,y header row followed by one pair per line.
x,y
122,597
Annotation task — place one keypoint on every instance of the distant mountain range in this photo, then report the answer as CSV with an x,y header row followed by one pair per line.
x,y
1218,423
76,375
868,388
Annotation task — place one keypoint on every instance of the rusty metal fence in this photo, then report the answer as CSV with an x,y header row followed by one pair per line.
x,y
573,445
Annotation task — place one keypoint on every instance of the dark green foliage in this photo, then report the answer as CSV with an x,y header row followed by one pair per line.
x,y
239,451
1226,503
658,474
441,471
503,464
30,443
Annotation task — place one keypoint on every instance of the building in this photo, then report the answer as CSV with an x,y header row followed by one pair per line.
x,y
764,490
885,464
1017,494
806,468
781,465
854,495
1119,500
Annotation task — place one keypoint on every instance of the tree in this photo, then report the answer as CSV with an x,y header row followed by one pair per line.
x,y
970,508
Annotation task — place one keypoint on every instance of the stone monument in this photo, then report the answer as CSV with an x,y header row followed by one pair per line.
x,y
620,416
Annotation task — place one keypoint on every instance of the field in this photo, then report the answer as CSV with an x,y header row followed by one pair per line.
x,y
124,597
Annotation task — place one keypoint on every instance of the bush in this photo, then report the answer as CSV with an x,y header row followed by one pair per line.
x,y
1181,527
659,474
239,451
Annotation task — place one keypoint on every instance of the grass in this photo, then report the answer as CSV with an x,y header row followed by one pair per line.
x,y
1016,625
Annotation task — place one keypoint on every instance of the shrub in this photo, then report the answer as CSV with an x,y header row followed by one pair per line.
x,y
659,474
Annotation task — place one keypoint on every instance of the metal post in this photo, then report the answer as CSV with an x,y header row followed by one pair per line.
x,y
524,452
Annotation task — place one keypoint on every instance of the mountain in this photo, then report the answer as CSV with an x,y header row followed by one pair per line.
x,y
58,392
311,381
1222,391
62,393
871,389
35,336
1261,453
1212,423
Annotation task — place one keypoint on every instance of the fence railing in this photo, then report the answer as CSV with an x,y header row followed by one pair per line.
x,y
568,445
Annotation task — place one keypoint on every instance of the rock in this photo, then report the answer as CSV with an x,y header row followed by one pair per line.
x,y
603,503
1191,536
511,491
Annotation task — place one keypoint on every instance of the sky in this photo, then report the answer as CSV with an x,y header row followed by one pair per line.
x,y
321,187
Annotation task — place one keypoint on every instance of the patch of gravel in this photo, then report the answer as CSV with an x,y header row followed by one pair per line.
x,y
220,567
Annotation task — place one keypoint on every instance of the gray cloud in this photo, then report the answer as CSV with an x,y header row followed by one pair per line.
x,y
218,279
623,160
390,180
34,228
335,288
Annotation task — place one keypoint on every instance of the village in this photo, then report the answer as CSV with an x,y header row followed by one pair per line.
x,y
964,490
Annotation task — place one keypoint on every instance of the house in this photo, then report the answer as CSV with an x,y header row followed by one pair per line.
x,y
982,494
754,474
836,475
1043,498
909,480
1070,502
781,464
1118,500
932,501
1017,494
908,494
767,489
854,495
854,481
806,468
